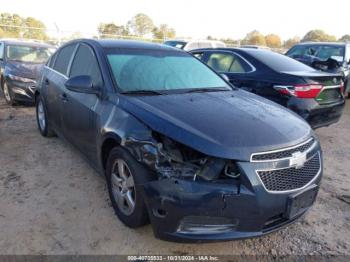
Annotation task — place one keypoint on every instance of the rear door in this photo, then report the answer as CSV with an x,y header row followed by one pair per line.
x,y
78,113
53,82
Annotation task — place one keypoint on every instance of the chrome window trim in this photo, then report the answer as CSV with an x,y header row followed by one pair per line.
x,y
292,190
280,150
53,70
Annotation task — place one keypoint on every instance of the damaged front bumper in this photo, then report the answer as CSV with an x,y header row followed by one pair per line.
x,y
183,210
22,91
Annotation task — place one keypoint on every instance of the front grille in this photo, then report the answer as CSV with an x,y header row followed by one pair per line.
x,y
291,178
283,153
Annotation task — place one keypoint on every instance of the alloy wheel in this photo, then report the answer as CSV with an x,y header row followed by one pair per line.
x,y
6,92
41,115
123,187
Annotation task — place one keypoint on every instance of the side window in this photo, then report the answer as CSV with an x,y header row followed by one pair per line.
x,y
85,63
198,55
63,58
231,63
1,50
52,60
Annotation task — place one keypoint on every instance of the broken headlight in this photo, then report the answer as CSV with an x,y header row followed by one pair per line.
x,y
172,159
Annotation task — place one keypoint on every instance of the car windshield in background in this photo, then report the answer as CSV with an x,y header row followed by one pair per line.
x,y
280,63
154,70
30,54
177,44
323,52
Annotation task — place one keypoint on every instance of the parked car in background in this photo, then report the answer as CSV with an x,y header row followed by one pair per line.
x,y
20,63
179,146
325,56
316,96
188,45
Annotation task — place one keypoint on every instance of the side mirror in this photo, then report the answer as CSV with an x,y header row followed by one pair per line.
x,y
224,76
82,84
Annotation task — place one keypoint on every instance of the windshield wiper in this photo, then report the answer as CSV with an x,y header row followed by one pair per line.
x,y
203,90
142,92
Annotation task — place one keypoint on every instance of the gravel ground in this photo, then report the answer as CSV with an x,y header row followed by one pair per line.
x,y
53,202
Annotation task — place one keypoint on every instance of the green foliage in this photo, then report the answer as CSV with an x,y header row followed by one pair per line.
x,y
163,32
344,38
15,26
318,36
254,38
111,30
140,25
273,41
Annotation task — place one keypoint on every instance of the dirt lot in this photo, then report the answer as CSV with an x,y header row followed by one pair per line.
x,y
52,202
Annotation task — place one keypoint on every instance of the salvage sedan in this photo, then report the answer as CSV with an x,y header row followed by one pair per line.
x,y
179,146
315,96
20,64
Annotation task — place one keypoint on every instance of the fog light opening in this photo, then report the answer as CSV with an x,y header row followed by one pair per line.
x,y
161,213
206,225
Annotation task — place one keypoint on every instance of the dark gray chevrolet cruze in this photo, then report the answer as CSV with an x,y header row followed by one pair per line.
x,y
179,146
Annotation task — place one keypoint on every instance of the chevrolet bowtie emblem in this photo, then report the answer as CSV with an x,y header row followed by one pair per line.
x,y
297,160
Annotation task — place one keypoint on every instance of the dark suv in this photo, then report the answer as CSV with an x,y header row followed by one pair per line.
x,y
179,147
20,63
315,96
325,56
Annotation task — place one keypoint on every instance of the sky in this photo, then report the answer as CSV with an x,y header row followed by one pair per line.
x,y
193,18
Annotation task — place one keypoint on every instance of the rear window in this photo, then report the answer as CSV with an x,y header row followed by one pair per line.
x,y
278,62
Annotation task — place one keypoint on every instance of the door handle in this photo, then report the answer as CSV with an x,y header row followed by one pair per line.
x,y
64,97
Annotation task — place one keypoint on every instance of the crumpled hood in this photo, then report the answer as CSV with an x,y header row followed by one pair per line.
x,y
229,124
23,69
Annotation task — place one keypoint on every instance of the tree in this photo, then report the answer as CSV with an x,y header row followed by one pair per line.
x,y
344,38
140,25
318,36
273,41
254,38
291,42
163,32
12,25
34,29
110,29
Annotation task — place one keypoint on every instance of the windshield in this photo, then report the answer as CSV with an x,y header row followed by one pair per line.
x,y
156,70
31,54
177,44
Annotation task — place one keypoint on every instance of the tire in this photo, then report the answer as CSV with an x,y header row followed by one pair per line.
x,y
126,186
42,118
8,94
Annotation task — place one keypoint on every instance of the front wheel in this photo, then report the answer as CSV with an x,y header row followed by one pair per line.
x,y
8,94
42,119
124,178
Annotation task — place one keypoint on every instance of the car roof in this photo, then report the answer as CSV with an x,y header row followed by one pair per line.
x,y
127,44
25,43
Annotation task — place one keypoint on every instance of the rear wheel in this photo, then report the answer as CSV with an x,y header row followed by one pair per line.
x,y
42,119
8,94
124,179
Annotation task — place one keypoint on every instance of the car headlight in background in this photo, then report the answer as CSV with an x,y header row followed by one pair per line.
x,y
21,79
